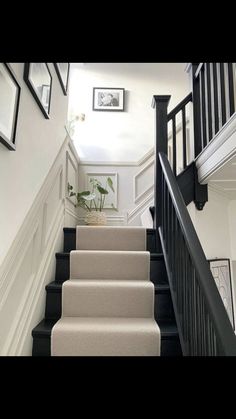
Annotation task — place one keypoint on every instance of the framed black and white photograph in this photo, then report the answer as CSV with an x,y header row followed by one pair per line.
x,y
9,106
108,99
39,80
220,269
63,71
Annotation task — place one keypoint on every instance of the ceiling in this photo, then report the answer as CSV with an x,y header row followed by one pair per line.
x,y
224,179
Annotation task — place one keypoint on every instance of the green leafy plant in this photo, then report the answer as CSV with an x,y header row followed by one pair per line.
x,y
94,199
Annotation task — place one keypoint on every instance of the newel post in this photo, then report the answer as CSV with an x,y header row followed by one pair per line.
x,y
160,104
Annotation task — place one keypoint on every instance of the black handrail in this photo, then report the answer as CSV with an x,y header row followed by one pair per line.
x,y
203,323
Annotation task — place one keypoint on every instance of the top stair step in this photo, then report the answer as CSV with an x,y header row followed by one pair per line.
x,y
148,237
110,238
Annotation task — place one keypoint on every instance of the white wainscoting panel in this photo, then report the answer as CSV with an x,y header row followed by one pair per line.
x,y
30,262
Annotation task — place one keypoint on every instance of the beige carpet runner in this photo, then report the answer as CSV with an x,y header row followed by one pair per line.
x,y
108,302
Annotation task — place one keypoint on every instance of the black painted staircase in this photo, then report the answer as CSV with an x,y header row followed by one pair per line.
x,y
164,313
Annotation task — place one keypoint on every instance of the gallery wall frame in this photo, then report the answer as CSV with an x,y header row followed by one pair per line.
x,y
220,269
63,72
9,106
39,80
108,99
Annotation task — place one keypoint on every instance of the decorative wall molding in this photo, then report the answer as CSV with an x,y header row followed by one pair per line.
x,y
140,208
28,265
112,197
141,173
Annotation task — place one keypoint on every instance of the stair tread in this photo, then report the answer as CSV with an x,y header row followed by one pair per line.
x,y
162,287
62,254
157,256
44,328
168,328
53,286
69,229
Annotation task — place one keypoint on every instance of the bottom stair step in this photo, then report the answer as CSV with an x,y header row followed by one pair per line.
x,y
105,336
42,338
170,345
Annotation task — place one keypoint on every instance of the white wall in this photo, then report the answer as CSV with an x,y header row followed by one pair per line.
x,y
213,226
232,223
129,135
23,171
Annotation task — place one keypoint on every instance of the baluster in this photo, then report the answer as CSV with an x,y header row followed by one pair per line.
x,y
184,137
174,143
231,88
209,106
203,108
222,89
215,90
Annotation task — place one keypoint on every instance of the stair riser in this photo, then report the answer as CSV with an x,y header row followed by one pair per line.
x,y
70,240
62,268
41,346
163,307
157,270
158,273
171,346
53,305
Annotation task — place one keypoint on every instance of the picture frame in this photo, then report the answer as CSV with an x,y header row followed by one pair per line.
x,y
220,269
9,106
39,80
112,198
63,72
108,99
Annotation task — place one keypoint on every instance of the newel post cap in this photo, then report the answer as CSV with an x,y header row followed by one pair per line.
x,y
160,99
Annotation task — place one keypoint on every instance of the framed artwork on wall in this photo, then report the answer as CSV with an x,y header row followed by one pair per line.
x,y
39,80
108,99
63,71
220,269
9,106
111,201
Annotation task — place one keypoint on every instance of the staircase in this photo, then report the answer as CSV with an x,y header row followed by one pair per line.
x,y
163,309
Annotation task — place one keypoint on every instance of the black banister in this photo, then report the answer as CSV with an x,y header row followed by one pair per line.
x,y
180,106
204,326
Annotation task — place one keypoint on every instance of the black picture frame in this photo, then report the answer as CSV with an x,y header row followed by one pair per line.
x,y
9,106
38,78
110,99
63,72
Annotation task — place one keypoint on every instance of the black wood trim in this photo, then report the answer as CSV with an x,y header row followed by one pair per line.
x,y
203,108
174,144
180,106
184,137
216,104
209,106
222,90
231,88
196,112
